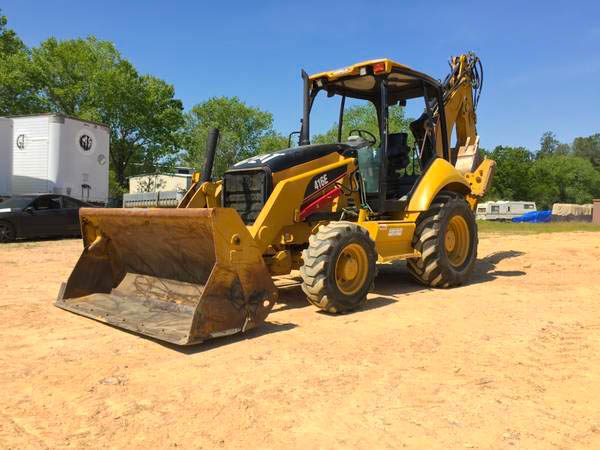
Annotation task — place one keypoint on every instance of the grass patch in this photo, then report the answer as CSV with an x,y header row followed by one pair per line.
x,y
488,226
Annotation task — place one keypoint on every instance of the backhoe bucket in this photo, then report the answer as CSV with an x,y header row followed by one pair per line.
x,y
179,275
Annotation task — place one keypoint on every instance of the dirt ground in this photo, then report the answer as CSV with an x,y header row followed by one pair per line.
x,y
510,361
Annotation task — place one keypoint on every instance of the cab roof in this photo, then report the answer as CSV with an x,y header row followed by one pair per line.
x,y
359,80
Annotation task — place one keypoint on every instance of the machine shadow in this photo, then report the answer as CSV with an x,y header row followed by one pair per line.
x,y
393,281
291,296
485,268
262,330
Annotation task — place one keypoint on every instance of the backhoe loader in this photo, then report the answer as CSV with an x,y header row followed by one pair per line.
x,y
333,211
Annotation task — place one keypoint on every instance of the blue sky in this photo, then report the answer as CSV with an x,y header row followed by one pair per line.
x,y
541,58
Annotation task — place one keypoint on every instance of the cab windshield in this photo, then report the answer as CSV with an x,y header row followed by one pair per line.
x,y
360,128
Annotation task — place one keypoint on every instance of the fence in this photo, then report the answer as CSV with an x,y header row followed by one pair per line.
x,y
161,199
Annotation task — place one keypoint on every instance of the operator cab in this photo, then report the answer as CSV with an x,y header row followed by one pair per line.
x,y
394,152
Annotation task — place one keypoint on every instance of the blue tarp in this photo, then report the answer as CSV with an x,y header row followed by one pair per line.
x,y
534,217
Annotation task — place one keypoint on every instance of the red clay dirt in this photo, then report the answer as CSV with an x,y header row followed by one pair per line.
x,y
510,361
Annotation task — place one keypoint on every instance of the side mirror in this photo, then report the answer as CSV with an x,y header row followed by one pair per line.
x,y
29,210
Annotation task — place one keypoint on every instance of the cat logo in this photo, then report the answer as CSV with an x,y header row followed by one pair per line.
x,y
21,142
86,142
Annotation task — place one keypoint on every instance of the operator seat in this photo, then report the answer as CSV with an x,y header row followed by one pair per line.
x,y
398,151
424,140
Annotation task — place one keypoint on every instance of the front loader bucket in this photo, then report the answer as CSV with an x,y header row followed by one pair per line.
x,y
179,275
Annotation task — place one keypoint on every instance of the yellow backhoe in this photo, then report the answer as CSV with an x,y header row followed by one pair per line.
x,y
331,211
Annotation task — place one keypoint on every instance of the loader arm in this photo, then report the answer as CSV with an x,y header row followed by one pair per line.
x,y
205,194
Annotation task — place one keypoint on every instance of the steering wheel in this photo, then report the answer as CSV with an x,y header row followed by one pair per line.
x,y
372,140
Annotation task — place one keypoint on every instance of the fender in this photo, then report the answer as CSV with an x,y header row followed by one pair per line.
x,y
283,205
439,175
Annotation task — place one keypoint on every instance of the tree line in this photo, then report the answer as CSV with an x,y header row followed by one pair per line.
x,y
556,173
150,131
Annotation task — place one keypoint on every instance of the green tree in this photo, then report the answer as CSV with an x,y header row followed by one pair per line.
x,y
588,148
88,78
550,145
364,117
564,179
511,180
271,142
245,131
18,92
145,121
69,72
10,43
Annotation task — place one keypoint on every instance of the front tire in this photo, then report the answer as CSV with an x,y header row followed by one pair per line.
x,y
446,236
7,232
339,267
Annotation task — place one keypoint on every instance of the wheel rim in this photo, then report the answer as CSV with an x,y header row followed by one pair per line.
x,y
457,241
5,233
351,269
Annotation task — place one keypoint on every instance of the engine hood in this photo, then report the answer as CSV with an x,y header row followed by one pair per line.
x,y
284,159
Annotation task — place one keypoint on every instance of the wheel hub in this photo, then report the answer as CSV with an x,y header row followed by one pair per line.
x,y
457,240
450,241
351,269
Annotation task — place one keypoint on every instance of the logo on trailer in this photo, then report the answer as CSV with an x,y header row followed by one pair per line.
x,y
86,142
21,141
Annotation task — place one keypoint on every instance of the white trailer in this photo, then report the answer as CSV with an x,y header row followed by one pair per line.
x,y
504,210
483,209
58,154
6,157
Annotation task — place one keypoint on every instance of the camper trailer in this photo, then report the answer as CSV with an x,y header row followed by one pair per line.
x,y
57,154
504,210
6,158
483,209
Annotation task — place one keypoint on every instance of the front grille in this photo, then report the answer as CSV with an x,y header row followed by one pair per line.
x,y
246,192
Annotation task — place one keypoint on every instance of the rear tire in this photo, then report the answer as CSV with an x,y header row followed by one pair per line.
x,y
7,232
339,267
446,236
